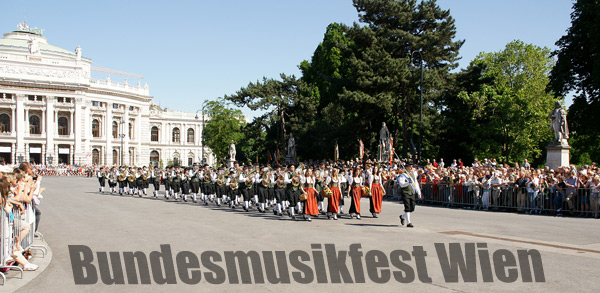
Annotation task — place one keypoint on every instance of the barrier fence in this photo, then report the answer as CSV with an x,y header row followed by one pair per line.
x,y
548,200
14,223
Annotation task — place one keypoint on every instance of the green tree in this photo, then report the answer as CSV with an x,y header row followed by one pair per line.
x,y
362,71
224,125
291,108
578,70
510,113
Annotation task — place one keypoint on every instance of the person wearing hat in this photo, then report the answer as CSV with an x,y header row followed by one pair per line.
x,y
410,188
246,185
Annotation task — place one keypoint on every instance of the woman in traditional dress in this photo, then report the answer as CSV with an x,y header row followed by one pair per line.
x,y
333,202
310,205
355,193
377,191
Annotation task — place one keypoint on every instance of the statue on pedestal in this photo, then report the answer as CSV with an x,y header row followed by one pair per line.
x,y
559,125
232,151
384,141
291,148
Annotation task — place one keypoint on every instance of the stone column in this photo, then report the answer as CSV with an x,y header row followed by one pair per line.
x,y
20,126
50,126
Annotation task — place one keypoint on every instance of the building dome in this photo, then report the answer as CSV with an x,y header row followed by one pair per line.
x,y
25,37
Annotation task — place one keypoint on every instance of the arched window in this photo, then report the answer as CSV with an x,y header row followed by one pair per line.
x,y
154,133
190,135
176,134
154,158
115,129
4,123
115,157
95,157
34,125
95,128
63,126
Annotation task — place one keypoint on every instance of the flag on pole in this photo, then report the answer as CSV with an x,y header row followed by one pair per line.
x,y
277,156
391,150
362,148
270,157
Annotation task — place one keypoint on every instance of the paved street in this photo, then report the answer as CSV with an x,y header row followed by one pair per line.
x,y
74,213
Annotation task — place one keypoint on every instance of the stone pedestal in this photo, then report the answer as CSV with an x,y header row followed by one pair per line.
x,y
557,155
231,163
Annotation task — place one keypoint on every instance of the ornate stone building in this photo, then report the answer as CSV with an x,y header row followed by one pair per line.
x,y
52,111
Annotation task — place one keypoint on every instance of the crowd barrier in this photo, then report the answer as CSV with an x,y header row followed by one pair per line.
x,y
574,201
12,225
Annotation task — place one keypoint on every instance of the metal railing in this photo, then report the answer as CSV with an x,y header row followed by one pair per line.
x,y
13,223
548,200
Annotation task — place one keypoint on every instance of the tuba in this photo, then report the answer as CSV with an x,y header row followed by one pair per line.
x,y
221,179
145,176
122,176
265,179
131,177
280,183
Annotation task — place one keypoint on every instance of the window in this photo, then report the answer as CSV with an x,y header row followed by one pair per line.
x,y
190,135
34,125
115,157
6,96
154,158
35,98
175,134
63,126
95,157
115,106
31,97
68,100
130,129
115,129
95,103
4,123
95,128
154,133
60,99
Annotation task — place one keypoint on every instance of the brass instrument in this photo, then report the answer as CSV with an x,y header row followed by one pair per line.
x,y
131,177
221,179
234,184
145,176
122,176
280,181
265,179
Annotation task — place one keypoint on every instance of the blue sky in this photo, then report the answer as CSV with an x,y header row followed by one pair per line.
x,y
191,51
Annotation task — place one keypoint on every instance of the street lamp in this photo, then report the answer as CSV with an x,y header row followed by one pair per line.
x,y
421,91
122,135
201,132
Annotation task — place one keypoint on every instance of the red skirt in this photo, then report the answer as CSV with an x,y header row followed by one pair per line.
x,y
310,205
333,202
376,198
355,196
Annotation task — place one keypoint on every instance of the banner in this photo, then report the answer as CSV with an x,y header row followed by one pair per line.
x,y
362,148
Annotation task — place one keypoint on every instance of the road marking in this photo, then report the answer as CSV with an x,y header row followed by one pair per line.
x,y
520,241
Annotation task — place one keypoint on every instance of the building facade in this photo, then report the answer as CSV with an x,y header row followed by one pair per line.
x,y
52,111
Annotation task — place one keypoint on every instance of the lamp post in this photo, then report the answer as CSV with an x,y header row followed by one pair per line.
x,y
421,92
122,135
201,132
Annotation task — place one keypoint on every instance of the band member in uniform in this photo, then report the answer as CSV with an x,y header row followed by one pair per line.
x,y
232,188
246,181
278,190
131,176
168,182
344,186
146,179
101,179
220,186
175,182
355,193
263,181
122,180
410,188
320,176
185,183
155,177
377,191
195,183
139,182
112,179
293,192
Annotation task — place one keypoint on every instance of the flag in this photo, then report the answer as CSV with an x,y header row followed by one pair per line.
x,y
270,158
277,156
391,150
362,148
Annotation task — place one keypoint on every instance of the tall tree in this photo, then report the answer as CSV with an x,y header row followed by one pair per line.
x,y
290,104
225,124
578,70
510,112
385,86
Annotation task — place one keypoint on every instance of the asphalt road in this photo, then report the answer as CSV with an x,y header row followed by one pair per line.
x,y
74,213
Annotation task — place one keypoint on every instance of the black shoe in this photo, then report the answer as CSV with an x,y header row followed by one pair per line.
x,y
401,220
410,225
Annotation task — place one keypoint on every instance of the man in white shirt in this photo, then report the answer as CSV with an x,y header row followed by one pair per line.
x,y
410,189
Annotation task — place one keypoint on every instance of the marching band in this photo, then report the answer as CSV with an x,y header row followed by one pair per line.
x,y
291,191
